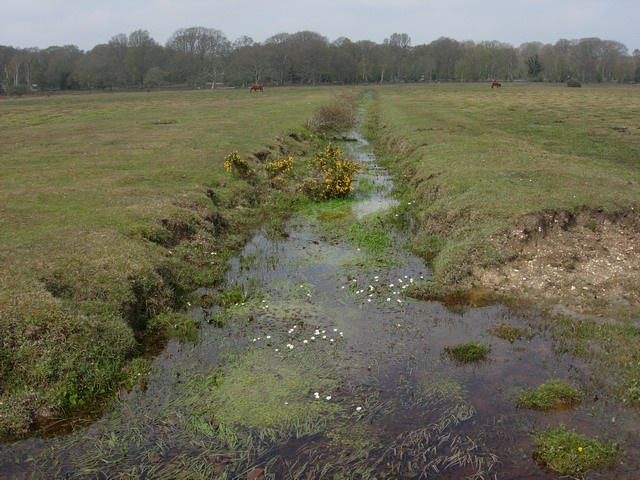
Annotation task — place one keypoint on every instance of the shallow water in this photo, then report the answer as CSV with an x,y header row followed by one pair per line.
x,y
334,337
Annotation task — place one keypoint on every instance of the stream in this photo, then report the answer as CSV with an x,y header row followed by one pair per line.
x,y
326,369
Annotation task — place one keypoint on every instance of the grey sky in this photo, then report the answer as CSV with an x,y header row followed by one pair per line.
x,y
86,23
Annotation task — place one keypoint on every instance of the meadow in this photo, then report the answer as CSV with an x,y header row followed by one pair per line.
x,y
114,206
477,160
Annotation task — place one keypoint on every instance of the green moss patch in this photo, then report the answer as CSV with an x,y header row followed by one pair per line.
x,y
266,389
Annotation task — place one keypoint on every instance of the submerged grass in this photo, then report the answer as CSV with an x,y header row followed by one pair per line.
x,y
612,347
468,352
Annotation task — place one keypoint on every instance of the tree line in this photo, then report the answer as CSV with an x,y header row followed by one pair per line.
x,y
204,58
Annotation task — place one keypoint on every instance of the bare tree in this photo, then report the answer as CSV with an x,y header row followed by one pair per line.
x,y
200,52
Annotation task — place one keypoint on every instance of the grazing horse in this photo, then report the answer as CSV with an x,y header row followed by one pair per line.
x,y
256,87
496,84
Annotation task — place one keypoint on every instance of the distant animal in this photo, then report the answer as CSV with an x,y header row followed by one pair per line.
x,y
255,87
496,84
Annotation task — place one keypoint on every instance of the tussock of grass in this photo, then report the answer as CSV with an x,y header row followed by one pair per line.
x,y
175,325
507,332
551,395
468,352
569,453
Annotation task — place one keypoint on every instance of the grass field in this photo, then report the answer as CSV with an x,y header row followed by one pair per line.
x,y
538,185
105,221
477,160
113,206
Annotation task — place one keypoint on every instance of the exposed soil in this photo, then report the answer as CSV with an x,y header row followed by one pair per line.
x,y
585,260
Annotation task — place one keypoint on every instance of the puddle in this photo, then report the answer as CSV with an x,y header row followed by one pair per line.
x,y
329,371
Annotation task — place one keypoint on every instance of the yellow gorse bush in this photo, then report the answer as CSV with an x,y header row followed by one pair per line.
x,y
337,175
235,163
279,167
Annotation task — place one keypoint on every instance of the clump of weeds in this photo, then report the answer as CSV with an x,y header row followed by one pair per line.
x,y
468,352
508,332
551,395
568,453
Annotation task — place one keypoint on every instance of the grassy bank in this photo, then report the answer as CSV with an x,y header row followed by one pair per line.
x,y
538,185
478,161
113,207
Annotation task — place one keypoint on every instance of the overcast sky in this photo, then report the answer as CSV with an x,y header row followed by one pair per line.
x,y
87,23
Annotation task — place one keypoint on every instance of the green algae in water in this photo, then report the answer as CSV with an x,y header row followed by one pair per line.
x,y
266,390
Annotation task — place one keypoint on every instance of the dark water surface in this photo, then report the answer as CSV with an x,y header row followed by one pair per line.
x,y
330,371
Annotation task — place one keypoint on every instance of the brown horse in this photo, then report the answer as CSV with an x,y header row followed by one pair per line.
x,y
496,84
255,87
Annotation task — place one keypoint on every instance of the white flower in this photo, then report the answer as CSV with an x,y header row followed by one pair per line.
x,y
328,397
305,341
335,329
388,299
268,337
358,409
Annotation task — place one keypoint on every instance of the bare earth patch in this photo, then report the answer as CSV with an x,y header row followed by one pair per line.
x,y
579,260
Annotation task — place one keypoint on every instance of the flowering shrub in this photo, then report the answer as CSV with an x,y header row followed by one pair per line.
x,y
335,175
235,163
279,167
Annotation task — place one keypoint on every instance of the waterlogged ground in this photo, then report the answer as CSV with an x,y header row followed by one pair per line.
x,y
325,369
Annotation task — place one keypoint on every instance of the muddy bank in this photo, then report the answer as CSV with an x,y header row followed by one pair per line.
x,y
583,260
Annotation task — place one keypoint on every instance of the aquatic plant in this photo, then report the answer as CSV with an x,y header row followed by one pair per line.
x,y
468,352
